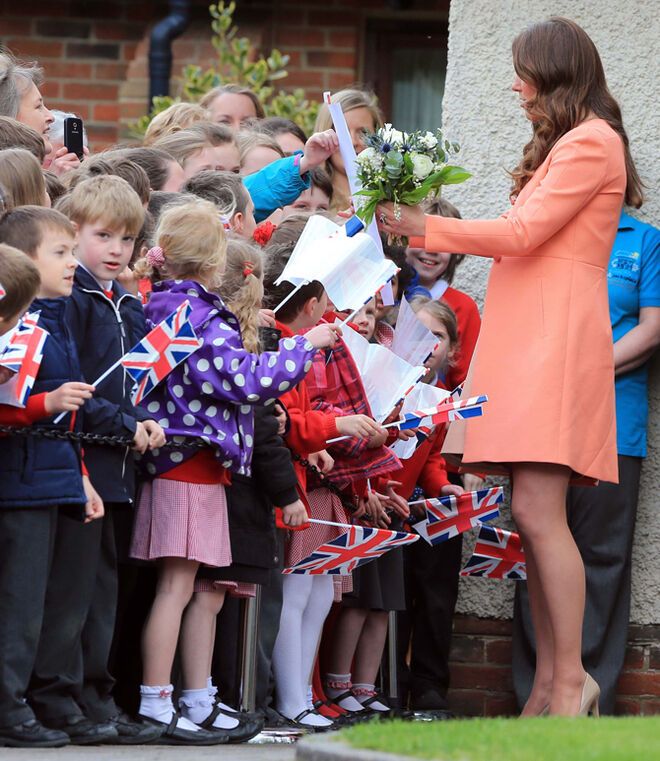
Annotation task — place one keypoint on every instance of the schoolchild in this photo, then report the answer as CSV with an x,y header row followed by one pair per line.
x,y
227,191
182,513
43,480
307,599
105,322
431,573
254,541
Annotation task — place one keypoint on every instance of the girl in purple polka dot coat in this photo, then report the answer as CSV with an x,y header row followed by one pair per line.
x,y
181,519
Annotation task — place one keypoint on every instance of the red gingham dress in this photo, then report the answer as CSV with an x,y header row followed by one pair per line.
x,y
182,520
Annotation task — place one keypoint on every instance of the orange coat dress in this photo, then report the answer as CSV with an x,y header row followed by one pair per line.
x,y
544,355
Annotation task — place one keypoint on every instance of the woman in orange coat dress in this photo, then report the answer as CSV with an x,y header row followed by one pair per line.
x,y
544,355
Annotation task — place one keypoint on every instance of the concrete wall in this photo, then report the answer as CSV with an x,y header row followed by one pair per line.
x,y
482,113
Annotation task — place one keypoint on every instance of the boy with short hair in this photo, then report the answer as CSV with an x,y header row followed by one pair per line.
x,y
43,485
105,321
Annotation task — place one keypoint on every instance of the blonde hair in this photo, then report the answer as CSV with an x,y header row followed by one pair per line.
x,y
247,140
193,241
187,142
107,199
174,118
349,99
22,178
232,89
441,312
20,279
242,289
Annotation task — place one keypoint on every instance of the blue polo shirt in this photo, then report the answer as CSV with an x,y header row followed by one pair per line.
x,y
633,279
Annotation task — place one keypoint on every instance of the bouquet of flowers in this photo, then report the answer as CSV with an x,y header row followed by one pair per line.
x,y
404,168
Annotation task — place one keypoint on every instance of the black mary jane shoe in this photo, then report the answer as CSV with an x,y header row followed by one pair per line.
x,y
354,717
248,726
297,722
173,735
391,713
32,734
130,732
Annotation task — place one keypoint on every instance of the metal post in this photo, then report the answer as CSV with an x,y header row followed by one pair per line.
x,y
392,658
249,652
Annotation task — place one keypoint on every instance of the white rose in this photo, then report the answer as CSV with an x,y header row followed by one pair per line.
x,y
370,157
430,140
422,166
397,137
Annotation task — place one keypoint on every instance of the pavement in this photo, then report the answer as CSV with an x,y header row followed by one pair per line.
x,y
280,752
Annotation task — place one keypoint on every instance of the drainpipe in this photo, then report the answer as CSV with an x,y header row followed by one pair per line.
x,y
160,47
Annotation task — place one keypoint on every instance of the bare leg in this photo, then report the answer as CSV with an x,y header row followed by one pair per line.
x,y
161,632
369,650
346,636
539,697
198,636
539,509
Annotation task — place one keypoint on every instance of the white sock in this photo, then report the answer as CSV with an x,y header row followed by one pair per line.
x,y
156,703
310,696
365,691
213,691
335,685
197,705
314,615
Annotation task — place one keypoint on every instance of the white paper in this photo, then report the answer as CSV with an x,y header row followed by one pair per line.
x,y
386,378
413,341
422,396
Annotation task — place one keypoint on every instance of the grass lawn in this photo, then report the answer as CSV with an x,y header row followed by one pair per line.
x,y
548,739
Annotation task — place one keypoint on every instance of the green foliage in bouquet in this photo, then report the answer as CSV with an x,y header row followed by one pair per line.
x,y
404,168
238,63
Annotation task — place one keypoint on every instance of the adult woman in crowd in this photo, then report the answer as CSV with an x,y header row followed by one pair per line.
x,y
545,349
21,99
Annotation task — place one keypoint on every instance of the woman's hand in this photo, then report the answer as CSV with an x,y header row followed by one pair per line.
x,y
64,162
412,220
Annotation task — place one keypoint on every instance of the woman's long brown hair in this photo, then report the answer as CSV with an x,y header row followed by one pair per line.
x,y
560,60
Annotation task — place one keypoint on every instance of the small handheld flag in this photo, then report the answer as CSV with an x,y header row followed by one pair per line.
x,y
498,554
450,516
160,351
445,412
357,546
23,354
3,291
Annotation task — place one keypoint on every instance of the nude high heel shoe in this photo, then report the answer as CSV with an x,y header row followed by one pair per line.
x,y
589,699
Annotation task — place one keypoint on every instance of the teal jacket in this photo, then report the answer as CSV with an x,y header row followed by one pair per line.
x,y
276,185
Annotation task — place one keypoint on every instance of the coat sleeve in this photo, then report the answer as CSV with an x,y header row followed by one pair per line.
x,y
272,467
277,184
34,410
576,173
308,429
433,475
223,370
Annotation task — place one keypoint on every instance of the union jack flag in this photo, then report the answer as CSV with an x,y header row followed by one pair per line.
x,y
23,354
451,516
3,291
445,412
498,554
160,351
359,545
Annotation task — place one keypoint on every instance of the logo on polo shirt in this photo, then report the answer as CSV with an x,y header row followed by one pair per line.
x,y
624,268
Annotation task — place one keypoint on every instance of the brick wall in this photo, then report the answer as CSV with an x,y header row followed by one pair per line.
x,y
85,49
481,670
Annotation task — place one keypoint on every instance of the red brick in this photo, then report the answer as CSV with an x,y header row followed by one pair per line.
x,y
338,80
331,60
50,88
466,702
304,79
24,47
68,70
128,51
650,707
119,30
654,658
299,38
498,651
106,112
132,109
93,91
473,625
342,39
624,707
467,676
467,650
16,26
501,705
634,657
639,683
110,70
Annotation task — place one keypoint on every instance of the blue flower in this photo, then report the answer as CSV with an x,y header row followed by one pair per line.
x,y
386,148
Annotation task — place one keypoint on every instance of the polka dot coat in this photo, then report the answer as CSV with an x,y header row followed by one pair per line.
x,y
211,395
